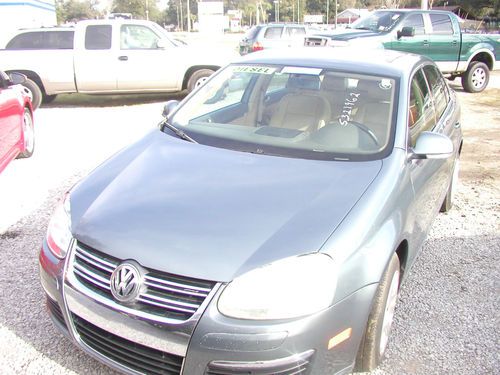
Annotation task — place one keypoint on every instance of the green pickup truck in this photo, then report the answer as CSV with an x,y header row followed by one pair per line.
x,y
435,34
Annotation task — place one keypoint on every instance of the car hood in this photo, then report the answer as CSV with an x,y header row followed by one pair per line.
x,y
211,213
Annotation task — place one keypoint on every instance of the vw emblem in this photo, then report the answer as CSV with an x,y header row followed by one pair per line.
x,y
126,281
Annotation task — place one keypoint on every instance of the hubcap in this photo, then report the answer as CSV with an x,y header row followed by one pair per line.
x,y
389,312
478,77
28,133
200,82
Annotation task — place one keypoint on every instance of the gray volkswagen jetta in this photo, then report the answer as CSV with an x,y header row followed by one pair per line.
x,y
266,226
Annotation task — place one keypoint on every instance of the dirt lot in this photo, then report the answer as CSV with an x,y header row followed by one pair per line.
x,y
447,318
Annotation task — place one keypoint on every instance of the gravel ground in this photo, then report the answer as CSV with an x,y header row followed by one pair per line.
x,y
447,318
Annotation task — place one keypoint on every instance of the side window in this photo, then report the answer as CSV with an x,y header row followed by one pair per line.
x,y
441,24
294,32
3,80
98,37
60,39
421,111
438,88
138,37
417,22
273,33
31,40
278,82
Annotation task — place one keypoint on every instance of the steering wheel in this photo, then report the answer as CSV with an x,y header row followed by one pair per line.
x,y
367,130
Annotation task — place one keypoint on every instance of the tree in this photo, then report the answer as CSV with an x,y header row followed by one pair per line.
x,y
141,9
75,10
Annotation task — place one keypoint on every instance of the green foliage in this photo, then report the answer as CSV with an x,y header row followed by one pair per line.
x,y
76,10
140,9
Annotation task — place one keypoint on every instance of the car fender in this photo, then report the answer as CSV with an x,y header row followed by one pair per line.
x,y
476,50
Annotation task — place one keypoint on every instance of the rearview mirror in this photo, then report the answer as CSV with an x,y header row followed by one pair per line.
x,y
161,44
169,107
17,78
406,31
432,146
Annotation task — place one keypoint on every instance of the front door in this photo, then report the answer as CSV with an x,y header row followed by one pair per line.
x,y
147,62
11,116
419,43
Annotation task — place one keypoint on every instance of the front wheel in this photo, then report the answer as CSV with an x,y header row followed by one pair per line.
x,y
34,92
28,135
198,78
450,194
476,78
374,342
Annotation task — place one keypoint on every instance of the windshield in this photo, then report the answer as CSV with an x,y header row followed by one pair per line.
x,y
291,111
378,21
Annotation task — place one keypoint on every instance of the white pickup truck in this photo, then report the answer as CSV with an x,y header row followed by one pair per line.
x,y
108,57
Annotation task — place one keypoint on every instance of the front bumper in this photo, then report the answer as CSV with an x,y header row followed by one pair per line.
x,y
208,343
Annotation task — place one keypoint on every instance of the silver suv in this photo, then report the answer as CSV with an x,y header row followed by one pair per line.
x,y
271,36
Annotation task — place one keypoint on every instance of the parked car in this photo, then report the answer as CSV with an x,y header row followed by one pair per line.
x,y
110,56
266,226
432,33
17,134
273,35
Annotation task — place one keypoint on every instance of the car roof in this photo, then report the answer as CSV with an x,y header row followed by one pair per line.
x,y
376,61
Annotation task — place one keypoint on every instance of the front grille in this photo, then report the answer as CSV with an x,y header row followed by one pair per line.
x,y
55,311
165,295
293,365
127,353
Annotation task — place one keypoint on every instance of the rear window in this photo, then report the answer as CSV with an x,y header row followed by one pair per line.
x,y
273,32
441,24
98,37
56,39
252,33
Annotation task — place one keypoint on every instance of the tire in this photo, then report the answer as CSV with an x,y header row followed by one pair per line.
x,y
198,78
374,342
450,195
476,78
28,135
34,91
46,99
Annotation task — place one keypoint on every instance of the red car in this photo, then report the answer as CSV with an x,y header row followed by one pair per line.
x,y
17,135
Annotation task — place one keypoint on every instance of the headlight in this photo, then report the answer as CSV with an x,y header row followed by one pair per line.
x,y
59,231
288,288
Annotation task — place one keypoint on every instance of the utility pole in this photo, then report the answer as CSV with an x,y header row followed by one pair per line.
x,y
188,16
298,11
336,5
424,5
147,10
327,10
182,15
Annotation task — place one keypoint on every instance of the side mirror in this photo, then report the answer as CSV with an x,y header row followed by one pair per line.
x,y
408,31
169,107
161,44
17,78
432,146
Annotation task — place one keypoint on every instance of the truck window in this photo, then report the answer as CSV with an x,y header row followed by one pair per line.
x,y
416,21
138,37
98,37
441,24
57,39
438,88
273,33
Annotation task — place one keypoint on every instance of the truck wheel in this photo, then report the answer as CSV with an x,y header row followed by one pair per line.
x,y
198,78
48,98
374,342
34,92
476,78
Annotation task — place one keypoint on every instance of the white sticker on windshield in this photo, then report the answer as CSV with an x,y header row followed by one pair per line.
x,y
385,84
254,69
300,70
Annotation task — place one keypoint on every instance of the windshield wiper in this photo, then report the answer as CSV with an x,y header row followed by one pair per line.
x,y
178,132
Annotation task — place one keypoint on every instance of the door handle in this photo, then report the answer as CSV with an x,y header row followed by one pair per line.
x,y
454,42
123,58
425,43
457,124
